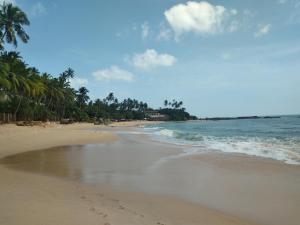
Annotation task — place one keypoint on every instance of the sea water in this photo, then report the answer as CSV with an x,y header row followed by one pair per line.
x,y
275,138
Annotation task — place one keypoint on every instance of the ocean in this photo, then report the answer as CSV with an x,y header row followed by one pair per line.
x,y
277,138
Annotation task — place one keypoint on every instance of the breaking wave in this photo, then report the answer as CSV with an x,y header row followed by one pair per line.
x,y
279,147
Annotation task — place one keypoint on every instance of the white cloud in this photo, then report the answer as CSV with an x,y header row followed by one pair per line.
x,y
113,73
233,11
226,56
145,30
164,34
38,9
78,82
263,29
151,59
233,26
282,1
198,17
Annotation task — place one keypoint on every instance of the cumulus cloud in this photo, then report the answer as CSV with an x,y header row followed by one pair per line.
x,y
38,9
145,30
151,59
198,17
113,73
78,82
263,29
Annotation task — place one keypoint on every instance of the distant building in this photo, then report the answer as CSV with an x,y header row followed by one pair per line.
x,y
155,116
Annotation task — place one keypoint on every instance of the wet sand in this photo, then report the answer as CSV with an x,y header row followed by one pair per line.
x,y
28,198
234,186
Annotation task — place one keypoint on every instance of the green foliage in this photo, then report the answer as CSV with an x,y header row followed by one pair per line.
x,y
12,20
174,111
42,113
175,114
30,95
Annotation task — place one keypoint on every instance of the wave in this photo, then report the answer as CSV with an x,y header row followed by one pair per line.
x,y
283,149
166,132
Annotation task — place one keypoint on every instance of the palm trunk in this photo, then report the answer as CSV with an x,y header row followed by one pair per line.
x,y
3,36
17,109
50,102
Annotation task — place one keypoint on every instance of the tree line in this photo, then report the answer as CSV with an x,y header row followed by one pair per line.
x,y
28,94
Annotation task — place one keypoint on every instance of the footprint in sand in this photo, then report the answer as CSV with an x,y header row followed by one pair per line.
x,y
114,200
93,209
121,207
83,197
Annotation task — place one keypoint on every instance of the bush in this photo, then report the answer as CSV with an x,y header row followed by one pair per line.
x,y
42,113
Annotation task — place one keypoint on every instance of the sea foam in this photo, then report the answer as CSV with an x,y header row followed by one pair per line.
x,y
262,143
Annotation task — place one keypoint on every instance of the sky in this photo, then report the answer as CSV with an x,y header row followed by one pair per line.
x,y
220,57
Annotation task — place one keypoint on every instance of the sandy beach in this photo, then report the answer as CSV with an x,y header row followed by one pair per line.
x,y
149,112
60,186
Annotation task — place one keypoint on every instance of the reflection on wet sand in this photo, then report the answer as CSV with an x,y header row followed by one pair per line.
x,y
247,187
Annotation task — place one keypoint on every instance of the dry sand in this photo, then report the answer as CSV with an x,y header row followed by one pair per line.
x,y
15,139
30,198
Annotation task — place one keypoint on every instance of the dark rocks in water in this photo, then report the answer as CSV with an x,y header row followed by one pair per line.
x,y
241,118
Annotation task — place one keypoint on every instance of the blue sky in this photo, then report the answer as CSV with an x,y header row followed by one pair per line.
x,y
221,58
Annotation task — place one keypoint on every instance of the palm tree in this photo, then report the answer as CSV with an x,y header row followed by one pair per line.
x,y
64,78
68,93
17,75
12,20
166,103
82,96
179,104
110,98
4,81
36,84
98,105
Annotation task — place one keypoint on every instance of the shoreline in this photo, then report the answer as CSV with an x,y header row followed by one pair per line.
x,y
53,135
93,204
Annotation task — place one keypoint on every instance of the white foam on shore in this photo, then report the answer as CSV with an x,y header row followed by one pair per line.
x,y
186,152
165,132
260,148
282,150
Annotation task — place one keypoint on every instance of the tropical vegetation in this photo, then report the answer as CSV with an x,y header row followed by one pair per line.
x,y
28,94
